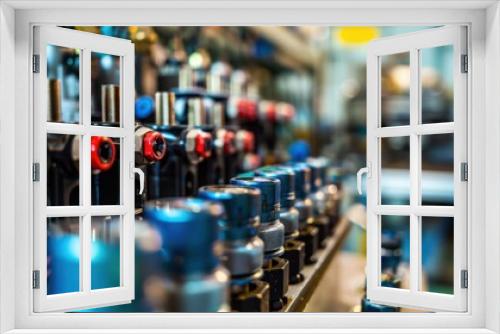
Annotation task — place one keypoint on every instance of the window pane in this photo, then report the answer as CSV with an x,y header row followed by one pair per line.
x,y
63,77
105,87
105,160
63,255
436,79
395,89
437,169
395,171
105,252
437,254
63,170
395,251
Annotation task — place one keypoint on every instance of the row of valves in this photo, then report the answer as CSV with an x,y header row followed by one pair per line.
x,y
238,246
192,130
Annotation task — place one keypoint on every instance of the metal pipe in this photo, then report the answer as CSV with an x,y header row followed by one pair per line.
x,y
186,77
196,112
110,103
164,108
55,101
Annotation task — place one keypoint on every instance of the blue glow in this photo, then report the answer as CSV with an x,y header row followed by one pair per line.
x,y
144,106
172,215
107,62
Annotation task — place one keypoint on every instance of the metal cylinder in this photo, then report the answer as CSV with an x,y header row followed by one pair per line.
x,y
196,111
319,199
302,179
271,230
110,103
288,214
316,174
302,190
186,77
55,101
188,229
308,233
164,108
243,250
218,79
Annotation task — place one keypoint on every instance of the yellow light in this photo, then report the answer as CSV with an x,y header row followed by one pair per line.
x,y
356,36
140,35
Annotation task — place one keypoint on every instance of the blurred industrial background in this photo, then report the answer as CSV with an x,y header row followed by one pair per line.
x,y
321,73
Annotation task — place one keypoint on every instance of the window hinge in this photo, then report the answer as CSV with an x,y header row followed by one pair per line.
x,y
36,279
464,279
464,171
465,64
36,172
36,63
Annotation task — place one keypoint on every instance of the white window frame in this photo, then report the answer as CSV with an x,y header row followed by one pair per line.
x,y
412,43
86,43
16,21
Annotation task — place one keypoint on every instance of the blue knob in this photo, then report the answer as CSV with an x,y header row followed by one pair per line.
x,y
316,177
302,179
287,182
269,192
189,230
144,106
241,206
321,165
299,150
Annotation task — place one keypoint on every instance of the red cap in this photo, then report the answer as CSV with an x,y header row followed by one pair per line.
x,y
286,111
229,145
268,110
248,141
247,109
102,153
202,144
154,146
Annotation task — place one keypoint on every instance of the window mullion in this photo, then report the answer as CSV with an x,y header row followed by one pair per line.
x,y
86,172
414,171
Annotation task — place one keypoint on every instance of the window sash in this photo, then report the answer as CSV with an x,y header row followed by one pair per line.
x,y
85,298
412,43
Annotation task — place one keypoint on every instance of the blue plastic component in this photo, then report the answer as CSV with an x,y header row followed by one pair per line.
x,y
287,181
302,179
241,206
269,192
321,164
299,150
189,229
144,107
316,174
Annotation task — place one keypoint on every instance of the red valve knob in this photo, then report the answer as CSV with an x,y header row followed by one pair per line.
x,y
102,153
246,141
229,142
203,144
268,111
154,146
247,109
285,111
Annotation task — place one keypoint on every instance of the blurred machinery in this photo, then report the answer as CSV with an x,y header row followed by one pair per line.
x,y
203,132
192,279
201,127
213,106
242,249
